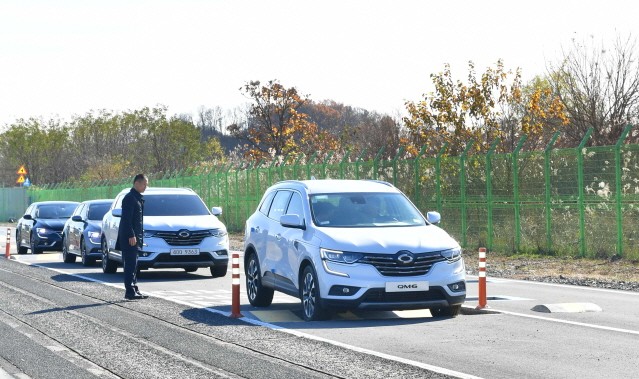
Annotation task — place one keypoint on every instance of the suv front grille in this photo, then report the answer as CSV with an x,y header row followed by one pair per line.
x,y
388,265
174,238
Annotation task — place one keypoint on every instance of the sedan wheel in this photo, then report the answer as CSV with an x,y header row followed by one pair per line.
x,y
311,301
66,256
21,249
32,245
86,261
259,296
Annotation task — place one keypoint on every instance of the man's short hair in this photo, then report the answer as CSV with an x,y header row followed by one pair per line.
x,y
139,178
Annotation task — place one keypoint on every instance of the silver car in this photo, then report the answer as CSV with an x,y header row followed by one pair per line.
x,y
179,232
350,244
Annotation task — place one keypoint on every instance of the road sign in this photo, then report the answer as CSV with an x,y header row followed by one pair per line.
x,y
27,183
20,179
21,171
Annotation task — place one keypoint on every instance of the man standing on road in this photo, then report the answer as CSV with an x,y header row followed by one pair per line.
x,y
130,235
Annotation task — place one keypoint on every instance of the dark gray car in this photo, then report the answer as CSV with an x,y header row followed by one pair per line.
x,y
81,234
40,229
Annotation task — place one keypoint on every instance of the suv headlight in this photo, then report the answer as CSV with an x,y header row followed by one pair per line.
x,y
340,256
452,255
218,233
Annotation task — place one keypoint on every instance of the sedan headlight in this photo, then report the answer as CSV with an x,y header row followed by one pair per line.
x,y
452,255
340,256
94,237
149,233
42,232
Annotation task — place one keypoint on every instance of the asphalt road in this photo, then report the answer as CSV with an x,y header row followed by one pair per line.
x,y
511,341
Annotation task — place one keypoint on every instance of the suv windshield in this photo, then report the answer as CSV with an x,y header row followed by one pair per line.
x,y
174,205
97,211
54,211
364,210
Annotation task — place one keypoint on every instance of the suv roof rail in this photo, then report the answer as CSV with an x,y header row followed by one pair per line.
x,y
293,181
380,182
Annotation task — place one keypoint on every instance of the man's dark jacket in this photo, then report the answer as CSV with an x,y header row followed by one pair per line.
x,y
131,222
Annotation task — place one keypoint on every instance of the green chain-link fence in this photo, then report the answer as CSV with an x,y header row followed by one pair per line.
x,y
576,202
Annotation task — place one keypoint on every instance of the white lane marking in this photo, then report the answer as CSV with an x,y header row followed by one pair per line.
x,y
576,323
585,288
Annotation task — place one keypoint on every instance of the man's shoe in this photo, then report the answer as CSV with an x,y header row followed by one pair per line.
x,y
134,297
140,295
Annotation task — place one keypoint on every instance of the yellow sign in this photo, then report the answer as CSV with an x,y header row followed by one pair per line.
x,y
20,179
21,171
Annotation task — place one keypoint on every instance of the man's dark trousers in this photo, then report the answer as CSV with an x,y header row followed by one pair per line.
x,y
130,259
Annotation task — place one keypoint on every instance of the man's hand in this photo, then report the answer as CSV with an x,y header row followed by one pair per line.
x,y
133,241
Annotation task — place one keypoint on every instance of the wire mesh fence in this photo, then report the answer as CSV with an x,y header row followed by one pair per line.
x,y
581,202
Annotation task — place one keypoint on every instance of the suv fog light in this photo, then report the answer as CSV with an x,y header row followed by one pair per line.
x,y
343,290
457,287
144,254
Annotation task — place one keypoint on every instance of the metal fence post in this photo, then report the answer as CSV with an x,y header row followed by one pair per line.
x,y
376,162
489,193
297,162
517,203
462,190
357,163
399,153
618,189
342,163
309,164
416,177
547,190
325,162
438,177
580,184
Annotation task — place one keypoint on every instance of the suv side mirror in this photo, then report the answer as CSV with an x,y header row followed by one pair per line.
x,y
27,217
77,218
216,211
117,212
433,217
292,221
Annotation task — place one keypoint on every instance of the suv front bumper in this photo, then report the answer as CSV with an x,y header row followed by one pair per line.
x,y
166,260
156,253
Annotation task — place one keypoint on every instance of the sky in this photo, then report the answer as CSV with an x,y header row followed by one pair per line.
x,y
63,58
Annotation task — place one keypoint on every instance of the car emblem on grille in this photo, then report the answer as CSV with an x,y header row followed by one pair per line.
x,y
405,258
184,234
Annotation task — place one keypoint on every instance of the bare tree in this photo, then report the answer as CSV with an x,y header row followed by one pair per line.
x,y
599,87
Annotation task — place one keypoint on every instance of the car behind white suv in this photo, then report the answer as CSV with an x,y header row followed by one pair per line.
x,y
350,244
179,232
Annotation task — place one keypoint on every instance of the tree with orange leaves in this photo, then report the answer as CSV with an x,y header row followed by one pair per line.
x,y
276,126
494,106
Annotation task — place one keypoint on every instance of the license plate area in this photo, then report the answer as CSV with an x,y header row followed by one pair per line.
x,y
185,251
406,286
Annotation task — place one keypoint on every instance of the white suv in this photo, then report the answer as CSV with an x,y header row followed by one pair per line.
x,y
350,244
179,232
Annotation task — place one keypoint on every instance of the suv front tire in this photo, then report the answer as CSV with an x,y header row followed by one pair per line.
x,y
259,296
312,307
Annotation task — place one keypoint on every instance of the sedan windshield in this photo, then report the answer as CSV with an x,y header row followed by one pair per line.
x,y
174,205
55,211
364,210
